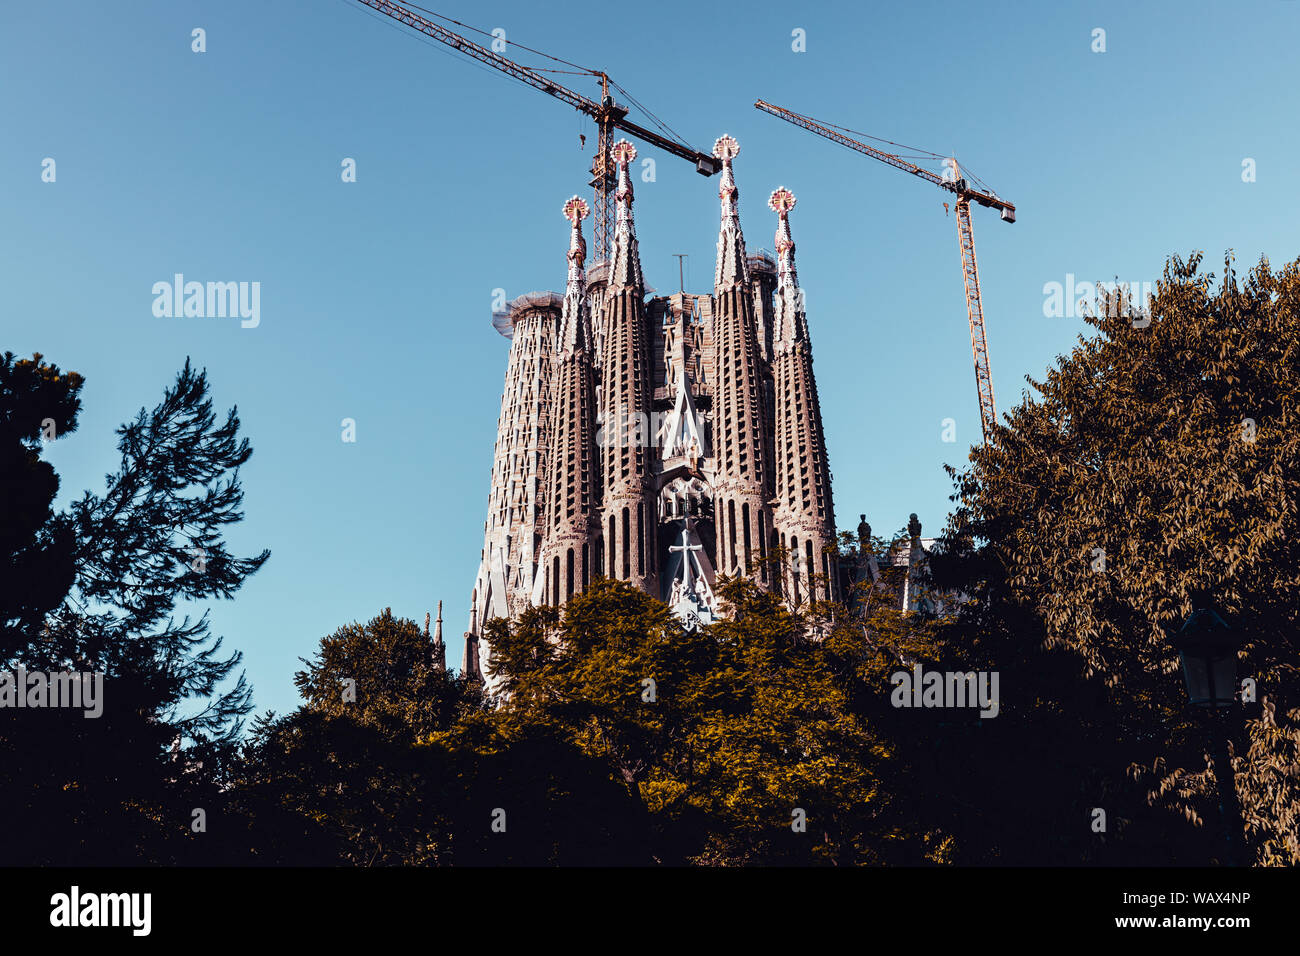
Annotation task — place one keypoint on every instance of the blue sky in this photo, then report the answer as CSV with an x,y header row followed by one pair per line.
x,y
375,295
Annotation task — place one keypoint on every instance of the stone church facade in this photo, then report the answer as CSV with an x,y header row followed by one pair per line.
x,y
665,441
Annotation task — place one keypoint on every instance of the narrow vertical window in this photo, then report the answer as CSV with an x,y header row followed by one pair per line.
x,y
613,547
744,511
731,534
812,569
627,554
640,538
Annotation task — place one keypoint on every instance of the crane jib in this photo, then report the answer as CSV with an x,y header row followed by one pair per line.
x,y
607,114
954,183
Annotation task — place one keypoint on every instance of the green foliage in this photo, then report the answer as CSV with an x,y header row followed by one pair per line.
x,y
345,779
719,734
37,402
1172,450
152,540
1154,461
315,788
385,779
401,689
120,788
777,734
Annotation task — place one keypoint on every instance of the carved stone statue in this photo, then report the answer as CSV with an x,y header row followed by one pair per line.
x,y
675,595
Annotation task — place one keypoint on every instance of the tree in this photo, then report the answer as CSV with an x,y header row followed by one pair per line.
x,y
312,788
384,674
789,765
121,787
738,743
622,738
1160,458
349,776
392,760
38,403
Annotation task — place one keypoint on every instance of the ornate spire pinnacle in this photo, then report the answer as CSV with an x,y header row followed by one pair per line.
x,y
625,269
790,321
576,210
781,202
469,662
732,268
575,333
437,647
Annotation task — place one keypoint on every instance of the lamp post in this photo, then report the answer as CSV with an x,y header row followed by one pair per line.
x,y
1207,647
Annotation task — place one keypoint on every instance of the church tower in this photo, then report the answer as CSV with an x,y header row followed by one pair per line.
x,y
741,484
805,517
626,401
665,441
508,580
572,553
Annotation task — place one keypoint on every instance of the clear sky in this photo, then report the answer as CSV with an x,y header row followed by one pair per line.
x,y
376,295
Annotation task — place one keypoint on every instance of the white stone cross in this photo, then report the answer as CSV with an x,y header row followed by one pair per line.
x,y
686,548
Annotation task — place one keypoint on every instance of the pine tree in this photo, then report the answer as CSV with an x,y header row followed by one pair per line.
x,y
121,788
38,403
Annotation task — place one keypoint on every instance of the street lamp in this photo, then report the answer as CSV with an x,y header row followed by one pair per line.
x,y
1208,649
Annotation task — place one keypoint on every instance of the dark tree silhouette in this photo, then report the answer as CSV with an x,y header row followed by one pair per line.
x,y
1160,458
38,403
120,788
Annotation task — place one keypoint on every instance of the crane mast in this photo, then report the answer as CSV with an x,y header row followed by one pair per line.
x,y
608,115
966,194
979,345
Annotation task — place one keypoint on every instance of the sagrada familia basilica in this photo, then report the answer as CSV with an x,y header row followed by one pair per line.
x,y
662,441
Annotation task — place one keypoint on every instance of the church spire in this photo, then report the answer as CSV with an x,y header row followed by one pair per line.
x,y
437,648
791,324
805,516
469,661
741,483
732,266
575,323
628,517
570,555
625,269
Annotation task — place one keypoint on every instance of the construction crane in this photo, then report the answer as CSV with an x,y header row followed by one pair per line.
x,y
608,115
952,181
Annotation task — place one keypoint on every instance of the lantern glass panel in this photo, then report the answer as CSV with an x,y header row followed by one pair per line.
x,y
1197,675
